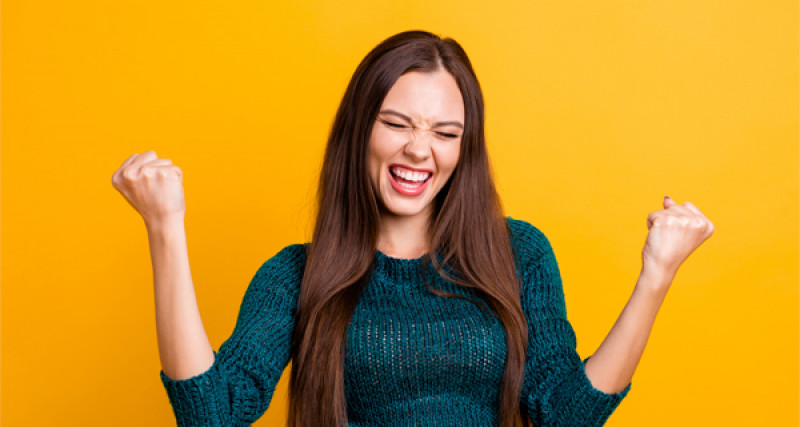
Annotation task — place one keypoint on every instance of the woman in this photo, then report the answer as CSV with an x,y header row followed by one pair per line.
x,y
416,302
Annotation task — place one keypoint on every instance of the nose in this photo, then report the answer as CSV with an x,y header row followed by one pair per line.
x,y
418,146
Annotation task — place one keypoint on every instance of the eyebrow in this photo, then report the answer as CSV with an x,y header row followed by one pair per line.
x,y
408,119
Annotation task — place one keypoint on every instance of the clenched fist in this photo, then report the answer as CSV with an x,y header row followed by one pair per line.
x,y
153,186
675,232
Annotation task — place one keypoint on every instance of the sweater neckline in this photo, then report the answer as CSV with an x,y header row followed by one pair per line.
x,y
389,258
399,270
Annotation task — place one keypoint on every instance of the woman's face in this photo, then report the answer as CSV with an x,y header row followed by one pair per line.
x,y
415,142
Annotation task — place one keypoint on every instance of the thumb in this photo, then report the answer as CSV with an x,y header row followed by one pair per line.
x,y
668,202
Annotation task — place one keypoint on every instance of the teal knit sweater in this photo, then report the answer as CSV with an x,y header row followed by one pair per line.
x,y
411,357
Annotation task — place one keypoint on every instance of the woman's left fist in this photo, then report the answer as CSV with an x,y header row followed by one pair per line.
x,y
675,232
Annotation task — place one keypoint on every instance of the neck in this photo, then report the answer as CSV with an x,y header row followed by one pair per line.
x,y
403,236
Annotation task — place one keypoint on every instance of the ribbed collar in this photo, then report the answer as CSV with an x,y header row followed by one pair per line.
x,y
404,271
400,270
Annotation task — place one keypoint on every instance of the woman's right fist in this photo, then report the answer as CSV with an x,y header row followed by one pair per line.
x,y
153,186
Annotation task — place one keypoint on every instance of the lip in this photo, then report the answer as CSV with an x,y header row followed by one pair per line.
x,y
408,191
404,166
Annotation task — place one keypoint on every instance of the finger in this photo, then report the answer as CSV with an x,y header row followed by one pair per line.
x,y
653,219
142,159
133,170
173,170
146,156
693,208
125,164
673,207
159,162
129,160
159,170
117,175
154,168
670,205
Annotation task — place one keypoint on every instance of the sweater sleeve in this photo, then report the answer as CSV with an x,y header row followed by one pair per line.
x,y
237,389
555,390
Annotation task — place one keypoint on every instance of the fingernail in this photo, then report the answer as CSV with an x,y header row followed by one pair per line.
x,y
667,197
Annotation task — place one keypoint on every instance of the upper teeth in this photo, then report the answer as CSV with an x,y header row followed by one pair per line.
x,y
410,175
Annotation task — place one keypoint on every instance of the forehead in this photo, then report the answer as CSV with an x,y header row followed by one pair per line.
x,y
431,96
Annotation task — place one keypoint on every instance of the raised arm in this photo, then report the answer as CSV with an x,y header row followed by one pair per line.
x,y
183,345
232,387
154,188
675,232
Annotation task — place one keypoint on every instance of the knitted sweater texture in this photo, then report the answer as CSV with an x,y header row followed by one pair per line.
x,y
412,358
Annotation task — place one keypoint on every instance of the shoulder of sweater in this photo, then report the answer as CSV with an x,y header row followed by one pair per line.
x,y
528,242
286,266
537,266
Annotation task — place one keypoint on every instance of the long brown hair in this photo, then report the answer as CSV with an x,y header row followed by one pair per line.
x,y
468,232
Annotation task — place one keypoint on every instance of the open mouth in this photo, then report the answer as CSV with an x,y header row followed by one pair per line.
x,y
408,181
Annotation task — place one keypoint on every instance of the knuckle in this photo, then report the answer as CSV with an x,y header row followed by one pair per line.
x,y
128,176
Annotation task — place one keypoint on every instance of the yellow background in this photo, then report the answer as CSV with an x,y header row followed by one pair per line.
x,y
595,111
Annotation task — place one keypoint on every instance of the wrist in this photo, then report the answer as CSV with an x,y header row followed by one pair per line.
x,y
164,226
654,279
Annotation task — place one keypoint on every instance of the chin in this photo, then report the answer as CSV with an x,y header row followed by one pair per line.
x,y
407,211
406,208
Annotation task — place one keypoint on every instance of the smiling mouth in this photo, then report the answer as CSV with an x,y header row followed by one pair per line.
x,y
407,181
409,178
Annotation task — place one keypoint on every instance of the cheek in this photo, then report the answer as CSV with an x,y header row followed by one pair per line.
x,y
447,157
376,159
382,147
373,164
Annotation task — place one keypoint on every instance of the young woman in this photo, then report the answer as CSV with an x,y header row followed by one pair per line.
x,y
416,302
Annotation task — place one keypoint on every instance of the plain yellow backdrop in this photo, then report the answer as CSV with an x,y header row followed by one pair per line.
x,y
595,111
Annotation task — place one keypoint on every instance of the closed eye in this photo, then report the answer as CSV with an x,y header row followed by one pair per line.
x,y
404,127
394,125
